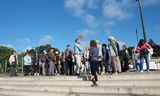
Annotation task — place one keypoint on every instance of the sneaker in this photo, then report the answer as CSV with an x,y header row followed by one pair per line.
x,y
127,70
102,73
148,71
94,85
115,73
141,71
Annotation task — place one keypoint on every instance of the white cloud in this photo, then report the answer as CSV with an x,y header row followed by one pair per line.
x,y
27,48
112,10
8,45
90,20
79,8
47,39
116,9
108,33
86,32
150,2
85,43
92,4
75,6
110,23
27,40
24,40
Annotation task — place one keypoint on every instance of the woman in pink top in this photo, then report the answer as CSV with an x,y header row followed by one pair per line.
x,y
144,53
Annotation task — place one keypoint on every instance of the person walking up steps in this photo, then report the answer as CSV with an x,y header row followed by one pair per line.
x,y
93,59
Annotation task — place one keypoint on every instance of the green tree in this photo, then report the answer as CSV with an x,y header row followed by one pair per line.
x,y
156,51
5,53
41,48
151,42
156,48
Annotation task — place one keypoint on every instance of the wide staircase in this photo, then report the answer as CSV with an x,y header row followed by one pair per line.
x,y
124,84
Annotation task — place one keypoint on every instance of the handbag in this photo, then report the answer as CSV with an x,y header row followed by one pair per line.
x,y
145,51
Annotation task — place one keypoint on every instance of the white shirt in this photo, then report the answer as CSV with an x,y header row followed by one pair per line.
x,y
27,60
77,49
12,59
100,52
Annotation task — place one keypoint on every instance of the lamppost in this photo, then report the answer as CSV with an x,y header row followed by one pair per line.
x,y
142,20
137,35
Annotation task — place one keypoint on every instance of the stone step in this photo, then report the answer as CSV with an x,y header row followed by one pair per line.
x,y
86,77
134,83
8,92
42,78
122,76
125,84
86,90
129,76
7,95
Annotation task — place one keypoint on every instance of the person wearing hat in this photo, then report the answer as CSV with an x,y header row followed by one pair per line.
x,y
78,56
114,55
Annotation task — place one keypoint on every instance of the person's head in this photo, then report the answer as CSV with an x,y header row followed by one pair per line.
x,y
51,50
14,53
97,41
77,41
70,52
111,39
62,53
104,46
93,43
86,49
27,51
123,46
141,41
68,46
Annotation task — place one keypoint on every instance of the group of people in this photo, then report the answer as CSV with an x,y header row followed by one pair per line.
x,y
95,59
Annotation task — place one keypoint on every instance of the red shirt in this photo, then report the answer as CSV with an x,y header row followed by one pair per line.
x,y
142,47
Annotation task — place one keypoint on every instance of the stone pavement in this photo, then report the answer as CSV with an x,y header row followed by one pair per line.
x,y
124,84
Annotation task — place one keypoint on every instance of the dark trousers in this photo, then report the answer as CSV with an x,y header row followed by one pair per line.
x,y
70,66
13,70
63,68
100,67
106,65
126,65
94,67
36,68
26,70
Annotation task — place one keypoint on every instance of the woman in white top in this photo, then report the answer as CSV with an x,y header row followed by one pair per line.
x,y
13,60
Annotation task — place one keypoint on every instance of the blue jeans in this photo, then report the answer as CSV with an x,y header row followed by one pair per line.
x,y
51,67
138,66
146,58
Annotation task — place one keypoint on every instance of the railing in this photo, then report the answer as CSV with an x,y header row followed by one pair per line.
x,y
3,70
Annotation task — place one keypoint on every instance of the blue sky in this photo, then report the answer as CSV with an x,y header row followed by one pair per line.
x,y
30,23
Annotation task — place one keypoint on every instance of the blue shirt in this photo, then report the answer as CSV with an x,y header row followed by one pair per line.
x,y
77,49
